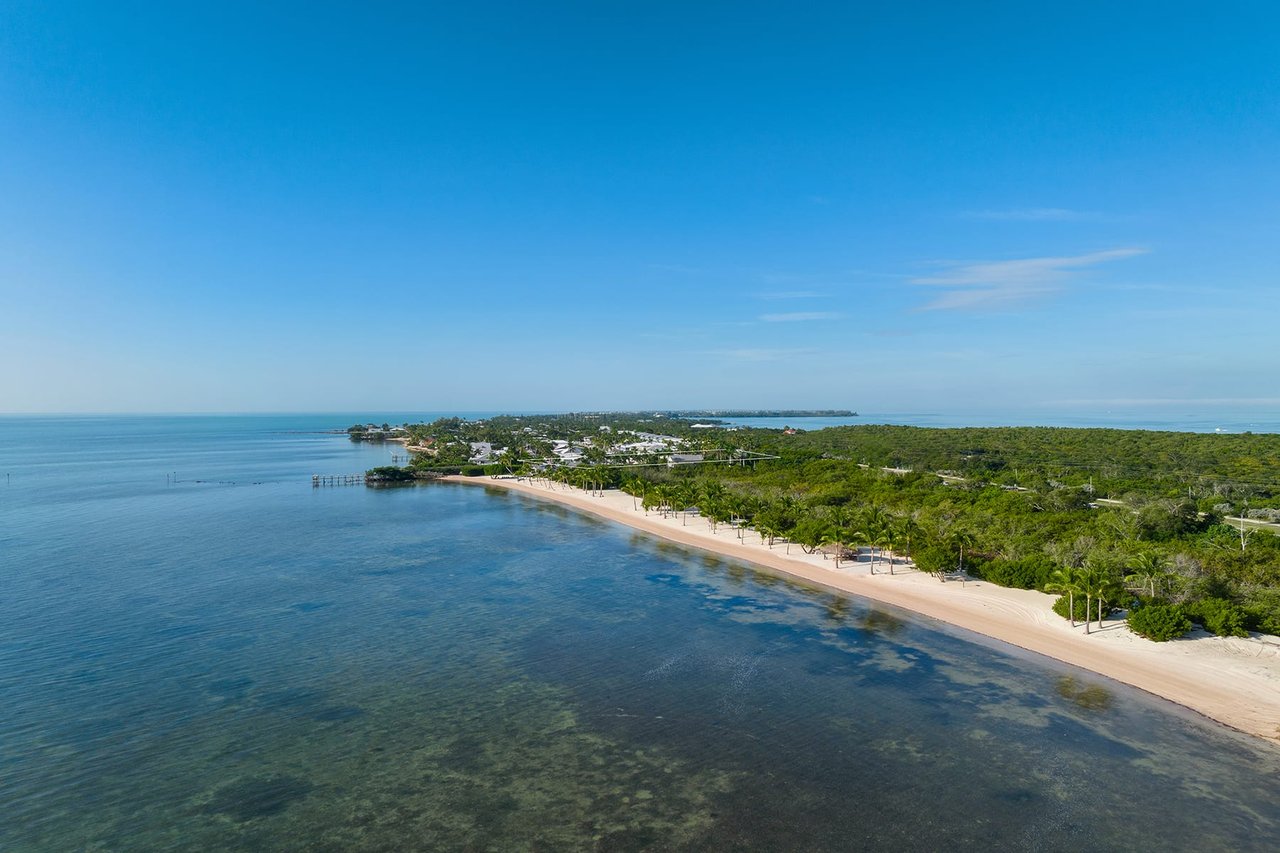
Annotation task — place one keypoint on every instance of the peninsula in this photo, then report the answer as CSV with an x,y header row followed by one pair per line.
x,y
1097,547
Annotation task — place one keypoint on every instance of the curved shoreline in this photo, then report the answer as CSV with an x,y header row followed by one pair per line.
x,y
1230,680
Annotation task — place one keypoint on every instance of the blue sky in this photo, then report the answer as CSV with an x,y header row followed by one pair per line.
x,y
886,207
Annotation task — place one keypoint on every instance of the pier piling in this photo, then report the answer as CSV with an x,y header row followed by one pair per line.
x,y
318,480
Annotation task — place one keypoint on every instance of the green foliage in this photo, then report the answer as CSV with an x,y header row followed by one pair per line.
x,y
1263,608
1219,616
1031,572
937,559
1081,612
389,474
1160,521
1266,620
1159,622
472,470
809,533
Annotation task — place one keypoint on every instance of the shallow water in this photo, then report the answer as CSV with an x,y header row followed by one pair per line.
x,y
240,661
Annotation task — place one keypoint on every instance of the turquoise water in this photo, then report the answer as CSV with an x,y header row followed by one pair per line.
x,y
240,661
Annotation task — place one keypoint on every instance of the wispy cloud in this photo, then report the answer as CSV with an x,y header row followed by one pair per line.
x,y
1034,214
992,284
800,316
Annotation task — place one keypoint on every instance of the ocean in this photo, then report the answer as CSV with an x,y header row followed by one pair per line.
x,y
1219,421
201,651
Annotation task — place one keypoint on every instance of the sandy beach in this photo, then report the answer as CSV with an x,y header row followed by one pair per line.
x,y
1234,681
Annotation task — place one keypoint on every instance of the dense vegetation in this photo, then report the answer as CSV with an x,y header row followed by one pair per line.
x,y
1106,518
1159,622
389,474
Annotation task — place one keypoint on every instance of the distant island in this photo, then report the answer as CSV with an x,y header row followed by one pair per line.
x,y
762,413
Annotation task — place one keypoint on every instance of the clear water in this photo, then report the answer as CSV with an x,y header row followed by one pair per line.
x,y
240,661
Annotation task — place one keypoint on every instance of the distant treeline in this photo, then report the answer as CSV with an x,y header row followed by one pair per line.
x,y
1113,462
763,413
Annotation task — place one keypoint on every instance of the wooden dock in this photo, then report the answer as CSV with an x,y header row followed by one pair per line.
x,y
318,480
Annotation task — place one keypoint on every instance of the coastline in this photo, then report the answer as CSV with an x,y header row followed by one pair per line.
x,y
1230,680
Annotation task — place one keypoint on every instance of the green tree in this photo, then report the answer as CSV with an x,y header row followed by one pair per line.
x,y
936,559
1159,622
1068,581
873,530
1147,571
839,529
810,532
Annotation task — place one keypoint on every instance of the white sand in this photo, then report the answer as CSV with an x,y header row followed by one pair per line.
x,y
1232,680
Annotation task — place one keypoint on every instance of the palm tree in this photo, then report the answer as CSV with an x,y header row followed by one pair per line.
x,y
631,485
839,529
874,522
1093,581
788,516
712,506
1100,582
712,503
888,536
685,495
661,497
1147,570
908,528
1109,590
1066,580
740,511
963,537
768,528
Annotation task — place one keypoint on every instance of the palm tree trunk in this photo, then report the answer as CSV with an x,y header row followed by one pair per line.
x,y
1088,615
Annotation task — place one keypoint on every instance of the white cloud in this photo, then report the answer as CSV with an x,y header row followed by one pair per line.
x,y
799,316
992,284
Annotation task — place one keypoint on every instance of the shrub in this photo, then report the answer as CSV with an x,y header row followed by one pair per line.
x,y
1028,573
1263,610
1221,617
1060,607
472,470
1159,622
935,560
389,474
1266,621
